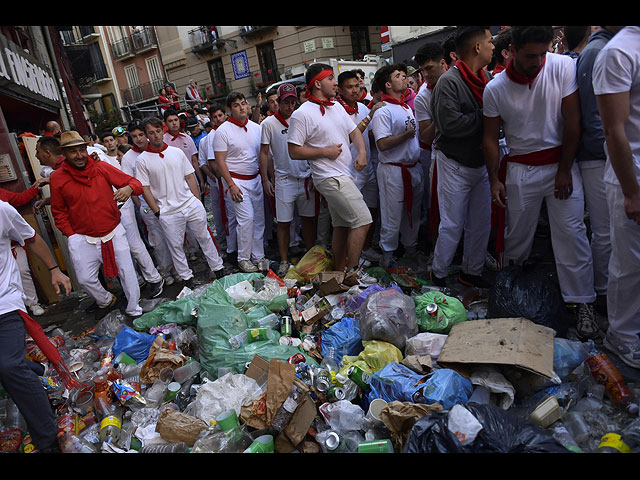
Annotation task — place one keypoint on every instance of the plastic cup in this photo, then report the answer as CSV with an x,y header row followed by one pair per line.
x,y
166,375
227,420
375,407
185,372
84,402
262,444
124,358
172,390
375,446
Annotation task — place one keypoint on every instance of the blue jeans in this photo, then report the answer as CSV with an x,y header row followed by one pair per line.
x,y
20,379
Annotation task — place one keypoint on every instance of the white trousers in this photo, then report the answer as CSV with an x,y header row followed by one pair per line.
x,y
194,217
623,293
595,196
464,199
394,220
28,287
248,218
157,239
138,248
87,259
216,210
527,187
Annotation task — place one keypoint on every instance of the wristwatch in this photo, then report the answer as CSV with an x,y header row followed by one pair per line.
x,y
157,214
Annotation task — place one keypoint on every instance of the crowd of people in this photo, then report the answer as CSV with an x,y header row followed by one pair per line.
x,y
454,153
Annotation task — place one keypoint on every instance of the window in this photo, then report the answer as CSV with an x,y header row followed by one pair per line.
x,y
218,80
134,84
155,73
268,63
360,42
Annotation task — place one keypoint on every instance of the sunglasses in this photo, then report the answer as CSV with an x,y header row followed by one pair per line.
x,y
118,131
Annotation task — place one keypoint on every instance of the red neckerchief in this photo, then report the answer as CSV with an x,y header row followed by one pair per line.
x,y
194,93
430,87
518,77
475,83
238,123
279,116
322,103
135,148
159,152
350,110
371,104
500,67
389,99
173,137
362,97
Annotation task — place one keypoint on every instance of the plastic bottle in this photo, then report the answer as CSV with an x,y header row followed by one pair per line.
x,y
606,373
562,435
613,442
101,387
289,406
14,417
270,321
186,372
110,421
173,447
70,443
329,361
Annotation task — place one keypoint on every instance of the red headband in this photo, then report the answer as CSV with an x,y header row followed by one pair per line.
x,y
321,76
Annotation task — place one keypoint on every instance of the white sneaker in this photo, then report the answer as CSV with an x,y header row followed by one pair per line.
x,y
37,310
246,266
283,268
629,353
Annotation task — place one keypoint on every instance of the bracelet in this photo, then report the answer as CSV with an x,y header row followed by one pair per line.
x,y
365,123
227,190
55,266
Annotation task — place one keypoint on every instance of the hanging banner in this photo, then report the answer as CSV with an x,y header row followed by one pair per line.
x,y
22,75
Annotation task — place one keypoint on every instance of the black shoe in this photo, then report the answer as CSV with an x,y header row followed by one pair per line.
x,y
586,324
218,274
155,289
475,281
438,282
191,283
102,311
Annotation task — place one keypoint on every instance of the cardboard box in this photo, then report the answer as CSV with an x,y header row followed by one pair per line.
x,y
515,342
316,312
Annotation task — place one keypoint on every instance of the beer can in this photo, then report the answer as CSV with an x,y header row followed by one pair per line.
x,y
297,358
432,309
335,394
334,443
359,377
286,328
375,446
323,380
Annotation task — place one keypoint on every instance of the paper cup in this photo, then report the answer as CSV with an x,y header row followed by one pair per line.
x,y
227,420
375,407
172,390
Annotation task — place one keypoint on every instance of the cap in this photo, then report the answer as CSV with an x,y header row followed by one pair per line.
x,y
286,90
71,139
118,131
191,123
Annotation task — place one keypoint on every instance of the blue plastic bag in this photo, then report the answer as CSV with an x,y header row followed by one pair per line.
x,y
135,344
344,336
569,354
395,382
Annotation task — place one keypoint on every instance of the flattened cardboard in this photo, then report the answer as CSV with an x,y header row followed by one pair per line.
x,y
500,341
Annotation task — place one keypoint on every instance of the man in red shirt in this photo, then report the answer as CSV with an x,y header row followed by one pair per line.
x,y
85,209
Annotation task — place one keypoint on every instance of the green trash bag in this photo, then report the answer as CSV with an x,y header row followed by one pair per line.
x,y
450,311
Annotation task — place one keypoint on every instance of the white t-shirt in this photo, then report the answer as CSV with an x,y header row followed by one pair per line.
x,y
395,120
366,172
111,160
203,148
617,70
165,178
183,142
242,147
532,117
421,103
308,127
128,165
274,134
12,228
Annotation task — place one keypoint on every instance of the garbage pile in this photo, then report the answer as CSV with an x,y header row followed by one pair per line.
x,y
324,362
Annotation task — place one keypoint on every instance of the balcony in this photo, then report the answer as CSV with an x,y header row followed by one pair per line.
x,y
262,79
86,64
205,39
217,90
138,42
249,31
143,92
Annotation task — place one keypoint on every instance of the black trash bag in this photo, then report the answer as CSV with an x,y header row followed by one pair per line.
x,y
502,432
531,292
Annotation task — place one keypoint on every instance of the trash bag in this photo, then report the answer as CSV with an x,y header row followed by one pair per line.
x,y
502,432
375,356
388,315
569,354
450,311
531,292
316,260
135,344
344,336
357,300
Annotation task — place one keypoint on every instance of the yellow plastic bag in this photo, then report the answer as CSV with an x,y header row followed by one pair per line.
x,y
375,356
316,260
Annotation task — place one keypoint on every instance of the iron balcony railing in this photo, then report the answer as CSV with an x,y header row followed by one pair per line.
x,y
144,91
137,42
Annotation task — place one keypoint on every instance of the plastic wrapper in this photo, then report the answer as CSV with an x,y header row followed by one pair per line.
x,y
502,432
390,316
531,292
425,343
375,356
316,260
450,311
135,344
569,354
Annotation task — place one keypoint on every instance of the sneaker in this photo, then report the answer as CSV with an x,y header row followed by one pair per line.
x,y
366,279
438,282
283,268
36,310
247,267
169,280
386,260
155,289
218,274
371,255
475,281
628,353
191,283
102,311
490,263
586,325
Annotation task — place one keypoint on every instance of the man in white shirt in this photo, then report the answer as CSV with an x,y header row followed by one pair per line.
x,y
109,141
175,138
193,96
292,178
320,131
155,234
399,173
236,148
18,375
616,84
536,101
171,191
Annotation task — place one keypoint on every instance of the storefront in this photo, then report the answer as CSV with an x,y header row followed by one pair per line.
x,y
29,98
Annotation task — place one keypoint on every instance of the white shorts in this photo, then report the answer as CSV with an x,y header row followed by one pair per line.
x,y
291,192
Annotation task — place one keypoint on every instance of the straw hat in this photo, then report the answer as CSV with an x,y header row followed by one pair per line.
x,y
71,138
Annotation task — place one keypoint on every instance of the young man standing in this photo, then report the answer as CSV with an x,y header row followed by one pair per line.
x,y
18,375
536,101
399,173
616,85
85,210
292,178
109,141
462,183
320,131
175,138
171,191
236,147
